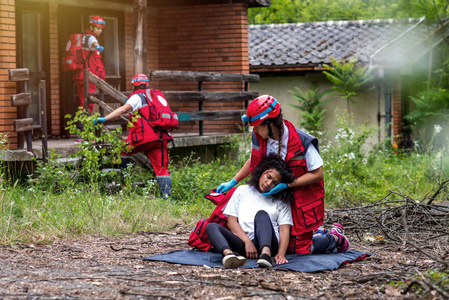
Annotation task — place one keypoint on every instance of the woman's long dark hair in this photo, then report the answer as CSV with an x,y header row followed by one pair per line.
x,y
272,161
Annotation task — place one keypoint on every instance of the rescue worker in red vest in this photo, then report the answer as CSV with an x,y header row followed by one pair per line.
x,y
273,134
94,64
142,137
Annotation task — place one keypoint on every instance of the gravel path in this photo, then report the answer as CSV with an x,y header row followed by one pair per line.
x,y
112,268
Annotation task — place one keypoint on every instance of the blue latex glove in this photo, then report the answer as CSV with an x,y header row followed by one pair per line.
x,y
98,120
99,48
280,187
224,187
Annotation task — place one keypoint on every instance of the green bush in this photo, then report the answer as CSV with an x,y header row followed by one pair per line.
x,y
357,173
310,105
348,79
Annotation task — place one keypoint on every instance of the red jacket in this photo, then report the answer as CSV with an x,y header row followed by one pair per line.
x,y
308,207
94,63
141,131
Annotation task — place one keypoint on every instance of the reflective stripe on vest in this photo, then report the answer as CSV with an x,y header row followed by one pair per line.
x,y
168,116
298,157
255,142
78,41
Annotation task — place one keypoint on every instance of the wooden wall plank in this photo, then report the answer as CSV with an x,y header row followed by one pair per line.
x,y
21,99
209,115
19,74
22,125
209,96
198,96
160,75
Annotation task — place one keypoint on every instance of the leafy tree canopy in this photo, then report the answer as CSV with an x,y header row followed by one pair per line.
x,y
295,11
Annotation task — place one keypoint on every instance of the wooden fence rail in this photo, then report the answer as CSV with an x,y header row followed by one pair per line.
x,y
112,95
162,75
202,96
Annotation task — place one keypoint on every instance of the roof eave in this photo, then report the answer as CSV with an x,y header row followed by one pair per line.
x,y
168,3
285,68
258,3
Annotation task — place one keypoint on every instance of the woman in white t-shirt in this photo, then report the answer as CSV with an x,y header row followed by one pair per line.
x,y
259,225
273,134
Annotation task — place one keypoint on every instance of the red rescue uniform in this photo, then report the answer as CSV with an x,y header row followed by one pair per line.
x,y
94,64
144,138
308,206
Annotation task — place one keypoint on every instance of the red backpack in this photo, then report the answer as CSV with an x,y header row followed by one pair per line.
x,y
161,116
75,56
198,237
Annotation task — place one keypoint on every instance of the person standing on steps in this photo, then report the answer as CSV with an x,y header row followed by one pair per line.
x,y
93,62
142,137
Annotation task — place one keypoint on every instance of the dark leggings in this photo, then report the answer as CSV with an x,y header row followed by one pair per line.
x,y
323,244
264,236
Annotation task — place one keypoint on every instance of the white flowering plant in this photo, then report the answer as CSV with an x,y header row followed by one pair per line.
x,y
354,174
347,160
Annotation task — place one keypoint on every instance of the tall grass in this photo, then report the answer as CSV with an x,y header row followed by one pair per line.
x,y
34,216
64,201
355,173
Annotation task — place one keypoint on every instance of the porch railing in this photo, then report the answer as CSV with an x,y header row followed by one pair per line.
x,y
201,96
107,92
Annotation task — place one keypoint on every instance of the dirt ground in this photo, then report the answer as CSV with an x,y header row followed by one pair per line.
x,y
113,268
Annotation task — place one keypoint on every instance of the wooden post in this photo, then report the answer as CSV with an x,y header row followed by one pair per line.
x,y
141,42
86,88
246,126
102,100
97,131
43,109
28,133
200,107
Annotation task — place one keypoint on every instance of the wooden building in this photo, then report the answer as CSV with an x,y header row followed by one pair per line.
x,y
183,35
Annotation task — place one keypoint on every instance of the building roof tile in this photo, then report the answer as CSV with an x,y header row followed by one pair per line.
x,y
382,42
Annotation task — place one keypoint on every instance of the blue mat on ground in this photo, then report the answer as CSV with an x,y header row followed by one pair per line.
x,y
300,263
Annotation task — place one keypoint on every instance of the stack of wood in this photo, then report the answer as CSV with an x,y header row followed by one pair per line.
x,y
422,225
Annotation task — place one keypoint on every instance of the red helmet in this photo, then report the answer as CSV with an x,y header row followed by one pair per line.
x,y
261,108
97,21
139,79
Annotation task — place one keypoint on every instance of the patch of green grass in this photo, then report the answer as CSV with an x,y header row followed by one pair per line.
x,y
35,216
61,201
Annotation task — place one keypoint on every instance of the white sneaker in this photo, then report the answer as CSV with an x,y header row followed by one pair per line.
x,y
233,260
